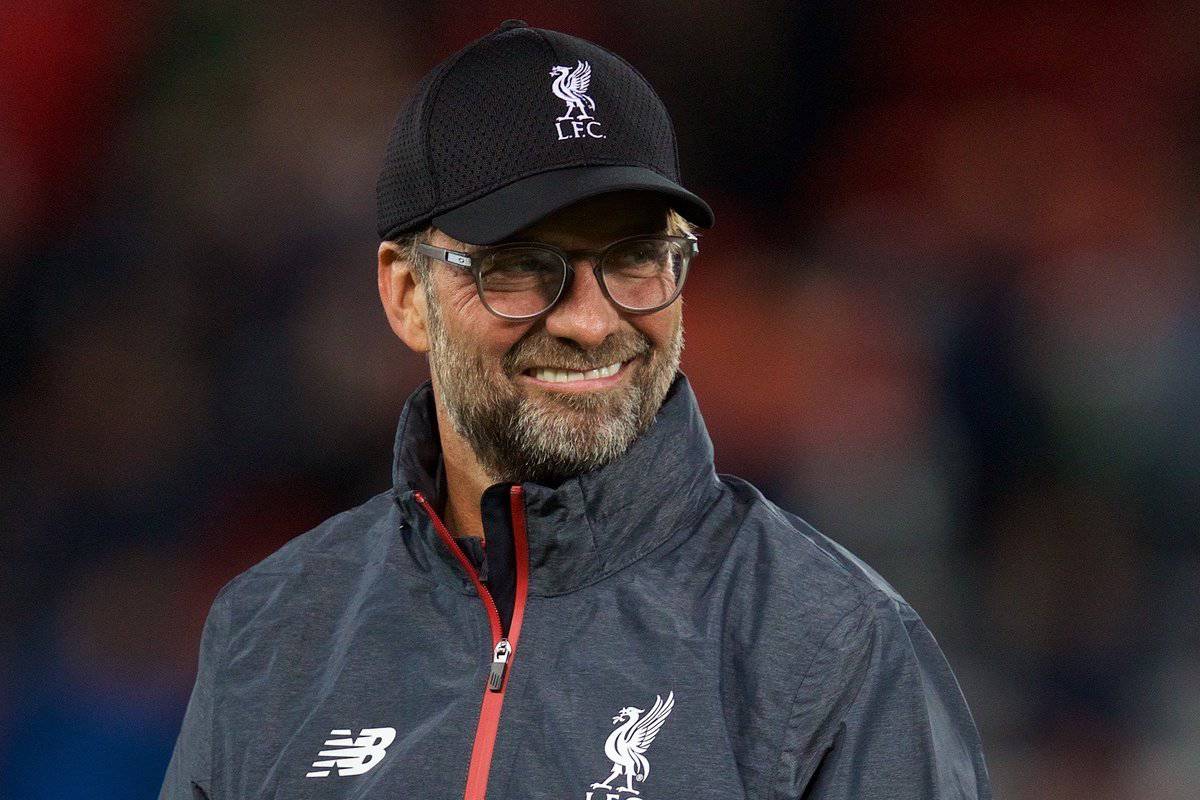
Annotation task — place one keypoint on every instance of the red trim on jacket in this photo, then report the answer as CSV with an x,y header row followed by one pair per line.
x,y
493,701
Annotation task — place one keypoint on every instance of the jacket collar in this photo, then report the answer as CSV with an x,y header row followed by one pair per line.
x,y
587,527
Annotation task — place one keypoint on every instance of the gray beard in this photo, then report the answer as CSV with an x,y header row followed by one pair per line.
x,y
548,437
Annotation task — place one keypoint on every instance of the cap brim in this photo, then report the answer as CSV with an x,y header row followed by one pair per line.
x,y
502,213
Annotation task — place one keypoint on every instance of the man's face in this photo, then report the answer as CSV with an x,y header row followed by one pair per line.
x,y
501,381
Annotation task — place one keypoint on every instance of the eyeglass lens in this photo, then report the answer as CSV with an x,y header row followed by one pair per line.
x,y
638,274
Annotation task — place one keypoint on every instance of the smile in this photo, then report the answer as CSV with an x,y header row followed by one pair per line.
x,y
567,376
554,379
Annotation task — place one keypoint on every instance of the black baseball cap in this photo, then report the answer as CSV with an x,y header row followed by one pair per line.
x,y
518,124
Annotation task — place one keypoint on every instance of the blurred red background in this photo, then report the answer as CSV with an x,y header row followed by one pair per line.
x,y
948,315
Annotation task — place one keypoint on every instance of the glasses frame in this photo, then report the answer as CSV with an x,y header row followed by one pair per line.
x,y
472,263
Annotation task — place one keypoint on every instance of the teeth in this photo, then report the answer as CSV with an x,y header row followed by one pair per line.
x,y
566,376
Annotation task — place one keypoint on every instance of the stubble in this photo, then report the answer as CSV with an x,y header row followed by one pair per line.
x,y
546,436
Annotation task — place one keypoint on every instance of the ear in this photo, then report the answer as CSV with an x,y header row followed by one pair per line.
x,y
403,297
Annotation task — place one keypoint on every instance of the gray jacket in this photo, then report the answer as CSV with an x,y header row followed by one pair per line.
x,y
669,633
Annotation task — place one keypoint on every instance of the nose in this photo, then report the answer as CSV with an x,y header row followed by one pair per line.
x,y
584,315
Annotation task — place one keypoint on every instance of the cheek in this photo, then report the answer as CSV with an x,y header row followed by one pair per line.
x,y
462,312
462,299
470,327
660,327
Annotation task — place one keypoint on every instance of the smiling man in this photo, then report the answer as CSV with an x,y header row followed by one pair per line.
x,y
564,387
558,591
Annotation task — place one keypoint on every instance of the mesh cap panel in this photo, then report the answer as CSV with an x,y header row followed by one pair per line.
x,y
490,116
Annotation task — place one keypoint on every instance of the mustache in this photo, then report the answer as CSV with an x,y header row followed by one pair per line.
x,y
543,350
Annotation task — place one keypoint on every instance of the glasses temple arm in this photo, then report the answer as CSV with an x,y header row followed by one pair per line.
x,y
449,256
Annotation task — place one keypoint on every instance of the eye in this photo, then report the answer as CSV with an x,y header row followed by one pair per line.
x,y
518,269
645,258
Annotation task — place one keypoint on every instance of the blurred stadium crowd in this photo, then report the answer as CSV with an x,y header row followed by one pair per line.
x,y
949,315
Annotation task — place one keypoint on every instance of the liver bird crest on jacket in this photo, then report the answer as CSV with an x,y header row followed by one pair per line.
x,y
570,85
626,746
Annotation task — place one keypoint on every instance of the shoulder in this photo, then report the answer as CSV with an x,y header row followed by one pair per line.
x,y
798,548
826,593
867,690
346,542
833,617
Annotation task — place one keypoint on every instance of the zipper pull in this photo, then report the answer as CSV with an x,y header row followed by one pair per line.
x,y
499,665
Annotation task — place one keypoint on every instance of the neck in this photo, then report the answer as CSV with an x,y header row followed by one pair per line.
x,y
466,479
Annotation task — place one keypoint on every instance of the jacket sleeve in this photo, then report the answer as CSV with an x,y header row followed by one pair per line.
x,y
897,725
189,772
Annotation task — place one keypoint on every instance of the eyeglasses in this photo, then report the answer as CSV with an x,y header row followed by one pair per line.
x,y
523,280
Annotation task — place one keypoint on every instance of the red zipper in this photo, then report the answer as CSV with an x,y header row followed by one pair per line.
x,y
503,648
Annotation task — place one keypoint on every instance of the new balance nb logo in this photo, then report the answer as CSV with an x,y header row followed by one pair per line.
x,y
353,756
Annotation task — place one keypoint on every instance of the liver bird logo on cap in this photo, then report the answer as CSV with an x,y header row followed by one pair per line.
x,y
570,85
